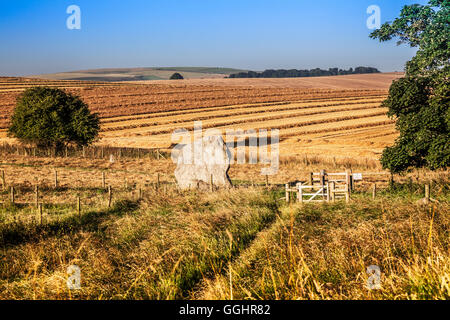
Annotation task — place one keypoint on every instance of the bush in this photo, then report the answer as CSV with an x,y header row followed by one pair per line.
x,y
176,76
48,117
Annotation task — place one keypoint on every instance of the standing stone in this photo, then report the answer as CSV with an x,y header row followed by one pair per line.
x,y
202,160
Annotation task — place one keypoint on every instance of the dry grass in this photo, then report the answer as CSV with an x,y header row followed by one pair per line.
x,y
322,252
178,245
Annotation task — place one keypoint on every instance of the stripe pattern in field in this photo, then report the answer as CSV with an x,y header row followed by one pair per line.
x,y
342,122
145,115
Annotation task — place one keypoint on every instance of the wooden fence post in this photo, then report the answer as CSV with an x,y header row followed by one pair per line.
x,y
109,196
267,181
374,191
36,191
12,195
352,185
333,191
427,193
328,191
79,206
140,193
299,188
322,178
300,192
287,193
40,211
212,183
348,183
311,179
3,180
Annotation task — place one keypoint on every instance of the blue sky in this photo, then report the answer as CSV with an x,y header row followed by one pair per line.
x,y
248,34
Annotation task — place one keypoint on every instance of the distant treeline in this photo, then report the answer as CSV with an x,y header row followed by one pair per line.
x,y
294,73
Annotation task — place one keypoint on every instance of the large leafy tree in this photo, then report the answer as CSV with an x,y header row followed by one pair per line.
x,y
420,101
49,117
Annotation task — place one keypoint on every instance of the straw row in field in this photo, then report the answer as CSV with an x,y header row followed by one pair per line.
x,y
246,109
244,117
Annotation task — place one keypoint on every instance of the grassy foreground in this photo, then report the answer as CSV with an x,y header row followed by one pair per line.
x,y
241,244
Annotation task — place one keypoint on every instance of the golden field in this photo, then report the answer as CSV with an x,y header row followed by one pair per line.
x,y
336,116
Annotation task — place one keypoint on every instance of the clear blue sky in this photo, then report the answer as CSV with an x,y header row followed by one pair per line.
x,y
249,34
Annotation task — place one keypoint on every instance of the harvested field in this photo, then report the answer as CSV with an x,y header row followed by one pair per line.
x,y
332,115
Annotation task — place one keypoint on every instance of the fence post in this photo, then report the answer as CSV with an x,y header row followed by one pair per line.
x,y
299,187
347,196
322,177
12,195
322,181
374,191
109,196
427,193
348,183
267,181
79,206
300,192
328,191
3,180
311,179
212,183
40,211
140,193
36,191
352,185
333,191
287,193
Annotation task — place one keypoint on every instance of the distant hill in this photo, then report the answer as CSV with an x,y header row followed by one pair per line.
x,y
139,74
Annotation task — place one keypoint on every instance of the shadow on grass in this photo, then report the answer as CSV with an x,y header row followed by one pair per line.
x,y
19,232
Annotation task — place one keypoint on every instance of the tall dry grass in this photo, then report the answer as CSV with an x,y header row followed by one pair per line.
x,y
323,251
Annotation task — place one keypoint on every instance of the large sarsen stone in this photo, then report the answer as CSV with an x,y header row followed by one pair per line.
x,y
199,161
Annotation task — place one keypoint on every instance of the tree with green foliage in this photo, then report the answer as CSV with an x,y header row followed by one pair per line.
x,y
176,76
420,101
48,117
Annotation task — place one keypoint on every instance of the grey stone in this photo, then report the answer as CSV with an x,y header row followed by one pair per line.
x,y
198,161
